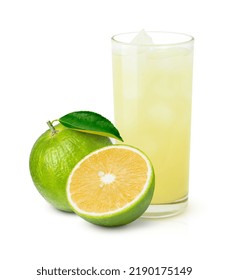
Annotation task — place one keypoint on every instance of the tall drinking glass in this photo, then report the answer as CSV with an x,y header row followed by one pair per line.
x,y
152,79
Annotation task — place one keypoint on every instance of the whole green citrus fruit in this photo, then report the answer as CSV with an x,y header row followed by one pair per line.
x,y
53,157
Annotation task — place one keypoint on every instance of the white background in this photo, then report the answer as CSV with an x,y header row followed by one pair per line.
x,y
55,57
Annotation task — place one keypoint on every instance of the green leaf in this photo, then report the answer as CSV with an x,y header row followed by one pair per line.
x,y
90,122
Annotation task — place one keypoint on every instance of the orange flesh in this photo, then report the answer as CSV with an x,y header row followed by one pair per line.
x,y
108,180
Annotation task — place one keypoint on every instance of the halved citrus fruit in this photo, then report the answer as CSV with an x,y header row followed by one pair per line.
x,y
112,186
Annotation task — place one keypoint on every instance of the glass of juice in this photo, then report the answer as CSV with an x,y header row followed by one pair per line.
x,y
152,80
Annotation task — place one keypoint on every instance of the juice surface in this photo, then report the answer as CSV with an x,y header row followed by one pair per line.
x,y
152,96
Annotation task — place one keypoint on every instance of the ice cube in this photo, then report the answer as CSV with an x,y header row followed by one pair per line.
x,y
142,38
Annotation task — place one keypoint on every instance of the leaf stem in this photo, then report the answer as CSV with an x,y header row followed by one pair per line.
x,y
51,127
54,121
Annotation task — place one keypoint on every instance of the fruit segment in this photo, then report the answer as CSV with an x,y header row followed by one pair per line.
x,y
108,180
